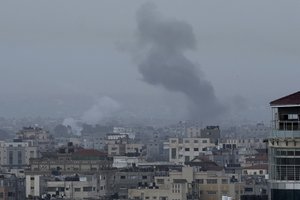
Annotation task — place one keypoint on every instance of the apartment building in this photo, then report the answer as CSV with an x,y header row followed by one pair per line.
x,y
191,183
92,168
11,187
284,148
16,154
186,149
41,138
133,177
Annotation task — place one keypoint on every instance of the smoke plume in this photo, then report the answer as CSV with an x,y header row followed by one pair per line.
x,y
165,42
74,124
104,108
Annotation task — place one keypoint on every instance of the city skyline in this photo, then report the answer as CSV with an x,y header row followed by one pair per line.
x,y
61,51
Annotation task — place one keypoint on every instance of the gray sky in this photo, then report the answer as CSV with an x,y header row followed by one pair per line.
x,y
62,51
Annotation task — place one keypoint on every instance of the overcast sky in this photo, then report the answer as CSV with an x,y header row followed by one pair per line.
x,y
248,50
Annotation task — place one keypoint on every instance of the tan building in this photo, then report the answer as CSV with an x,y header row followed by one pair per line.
x,y
186,149
174,191
191,184
41,138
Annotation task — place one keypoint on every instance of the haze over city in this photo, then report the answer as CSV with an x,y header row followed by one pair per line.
x,y
61,58
149,100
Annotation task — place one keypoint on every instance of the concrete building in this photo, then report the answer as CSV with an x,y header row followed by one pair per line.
x,y
133,177
191,183
11,187
124,130
93,142
255,179
76,187
261,170
211,132
93,168
284,148
41,138
125,161
16,154
186,149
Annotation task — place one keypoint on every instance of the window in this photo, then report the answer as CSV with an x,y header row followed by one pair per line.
x,y
196,149
77,189
212,181
10,157
187,149
173,141
32,178
160,181
87,189
186,141
200,181
224,192
186,158
293,117
211,192
224,181
196,141
19,157
204,141
123,177
144,177
173,153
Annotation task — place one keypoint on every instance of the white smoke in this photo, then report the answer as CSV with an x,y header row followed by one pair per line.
x,y
74,124
104,108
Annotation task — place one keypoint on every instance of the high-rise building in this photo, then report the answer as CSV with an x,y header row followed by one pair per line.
x,y
284,148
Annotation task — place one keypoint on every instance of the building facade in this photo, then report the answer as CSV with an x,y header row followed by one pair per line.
x,y
186,149
284,148
16,154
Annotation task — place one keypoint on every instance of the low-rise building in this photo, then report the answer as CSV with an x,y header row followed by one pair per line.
x,y
11,187
191,183
91,166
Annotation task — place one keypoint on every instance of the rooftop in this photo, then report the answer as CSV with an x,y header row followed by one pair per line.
x,y
292,99
261,166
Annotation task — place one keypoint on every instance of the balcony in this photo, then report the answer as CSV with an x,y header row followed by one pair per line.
x,y
285,129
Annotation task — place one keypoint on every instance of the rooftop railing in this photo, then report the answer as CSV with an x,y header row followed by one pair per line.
x,y
290,125
290,128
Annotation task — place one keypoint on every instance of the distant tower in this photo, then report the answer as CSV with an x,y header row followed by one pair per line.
x,y
284,149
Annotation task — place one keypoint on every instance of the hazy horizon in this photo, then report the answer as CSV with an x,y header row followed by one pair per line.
x,y
59,57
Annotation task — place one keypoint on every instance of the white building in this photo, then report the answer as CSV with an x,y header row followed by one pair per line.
x,y
124,161
186,149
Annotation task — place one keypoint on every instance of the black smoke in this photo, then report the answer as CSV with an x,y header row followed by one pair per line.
x,y
165,41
